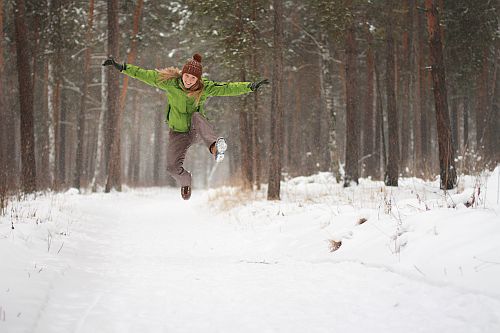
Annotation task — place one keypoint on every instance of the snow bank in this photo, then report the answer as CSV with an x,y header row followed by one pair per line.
x,y
493,189
415,229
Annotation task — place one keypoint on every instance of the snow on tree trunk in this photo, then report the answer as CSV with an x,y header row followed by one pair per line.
x,y
326,90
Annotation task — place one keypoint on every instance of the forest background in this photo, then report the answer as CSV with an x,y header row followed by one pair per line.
x,y
359,88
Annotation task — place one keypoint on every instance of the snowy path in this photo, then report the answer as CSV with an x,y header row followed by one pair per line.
x,y
152,263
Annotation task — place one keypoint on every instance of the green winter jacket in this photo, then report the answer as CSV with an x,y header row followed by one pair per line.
x,y
180,106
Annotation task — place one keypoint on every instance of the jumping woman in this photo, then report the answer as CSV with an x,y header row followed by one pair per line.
x,y
187,93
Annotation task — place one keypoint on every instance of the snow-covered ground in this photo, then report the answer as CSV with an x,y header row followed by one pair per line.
x,y
229,261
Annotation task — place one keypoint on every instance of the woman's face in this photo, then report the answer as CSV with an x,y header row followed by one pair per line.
x,y
189,80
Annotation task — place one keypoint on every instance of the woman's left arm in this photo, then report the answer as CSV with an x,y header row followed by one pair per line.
x,y
226,88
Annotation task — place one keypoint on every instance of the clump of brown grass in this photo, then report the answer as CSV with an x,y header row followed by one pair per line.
x,y
334,245
227,198
362,220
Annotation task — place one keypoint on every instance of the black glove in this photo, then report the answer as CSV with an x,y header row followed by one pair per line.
x,y
111,61
255,85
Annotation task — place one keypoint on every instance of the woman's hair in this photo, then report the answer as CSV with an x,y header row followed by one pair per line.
x,y
170,73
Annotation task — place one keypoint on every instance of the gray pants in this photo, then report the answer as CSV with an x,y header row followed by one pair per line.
x,y
178,144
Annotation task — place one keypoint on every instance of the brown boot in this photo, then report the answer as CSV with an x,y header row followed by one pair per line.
x,y
186,192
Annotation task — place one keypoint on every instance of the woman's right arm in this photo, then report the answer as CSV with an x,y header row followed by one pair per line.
x,y
148,76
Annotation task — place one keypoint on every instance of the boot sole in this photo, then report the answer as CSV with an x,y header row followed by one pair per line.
x,y
221,147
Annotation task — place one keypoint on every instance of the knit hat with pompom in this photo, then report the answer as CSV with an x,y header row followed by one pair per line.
x,y
193,66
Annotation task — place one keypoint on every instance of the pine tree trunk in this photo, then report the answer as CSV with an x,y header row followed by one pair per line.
x,y
369,153
314,123
494,124
35,57
245,149
244,121
63,138
114,155
43,172
380,147
417,90
28,179
298,152
446,156
41,108
482,104
422,111
405,93
12,126
465,102
131,143
79,168
136,161
392,172
352,137
454,123
288,86
495,107
56,121
131,56
99,149
234,162
114,162
159,123
52,114
55,77
273,192
256,156
255,140
491,117
326,86
3,114
295,100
